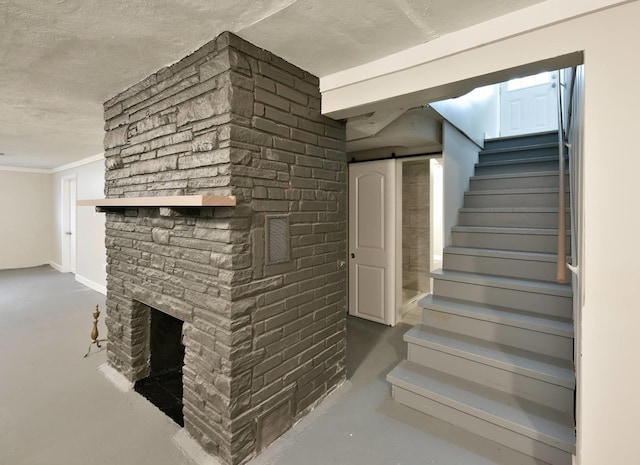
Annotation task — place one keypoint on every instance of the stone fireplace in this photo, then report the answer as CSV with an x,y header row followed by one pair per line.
x,y
254,293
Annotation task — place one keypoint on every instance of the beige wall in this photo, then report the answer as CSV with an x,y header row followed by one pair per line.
x,y
90,249
27,219
608,379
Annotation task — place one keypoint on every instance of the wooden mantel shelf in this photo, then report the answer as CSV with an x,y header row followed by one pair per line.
x,y
175,201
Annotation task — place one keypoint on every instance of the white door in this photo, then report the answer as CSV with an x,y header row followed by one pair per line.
x,y
372,241
529,104
69,224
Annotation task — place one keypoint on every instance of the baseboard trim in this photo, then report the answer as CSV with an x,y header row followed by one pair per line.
x,y
91,284
55,266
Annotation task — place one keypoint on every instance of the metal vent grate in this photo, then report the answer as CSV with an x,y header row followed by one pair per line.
x,y
277,236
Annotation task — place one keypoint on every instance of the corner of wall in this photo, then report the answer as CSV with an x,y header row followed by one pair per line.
x,y
55,266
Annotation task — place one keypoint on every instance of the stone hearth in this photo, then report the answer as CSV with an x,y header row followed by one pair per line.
x,y
260,287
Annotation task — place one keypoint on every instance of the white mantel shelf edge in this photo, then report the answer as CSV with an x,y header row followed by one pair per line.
x,y
185,201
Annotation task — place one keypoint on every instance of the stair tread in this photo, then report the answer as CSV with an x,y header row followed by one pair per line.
x,y
509,209
517,161
522,136
525,174
520,148
546,368
528,191
480,311
530,419
506,230
498,253
526,285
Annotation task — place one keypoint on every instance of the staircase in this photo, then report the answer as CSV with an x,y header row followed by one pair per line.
x,y
494,354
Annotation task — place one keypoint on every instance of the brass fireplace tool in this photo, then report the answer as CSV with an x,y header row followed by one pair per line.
x,y
94,331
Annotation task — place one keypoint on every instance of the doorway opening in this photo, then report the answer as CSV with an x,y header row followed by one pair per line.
x,y
395,236
415,230
420,195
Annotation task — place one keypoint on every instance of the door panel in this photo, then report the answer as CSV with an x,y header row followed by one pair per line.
x,y
370,286
529,105
370,227
372,240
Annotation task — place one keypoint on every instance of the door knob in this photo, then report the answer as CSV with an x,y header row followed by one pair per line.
x,y
353,255
68,233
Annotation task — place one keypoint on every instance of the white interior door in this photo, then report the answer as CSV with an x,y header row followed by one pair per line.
x,y
529,104
372,241
69,224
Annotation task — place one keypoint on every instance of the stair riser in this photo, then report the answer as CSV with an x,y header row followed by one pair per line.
x,y
525,269
523,242
482,170
486,429
519,300
549,138
525,182
520,154
535,390
534,341
547,199
510,219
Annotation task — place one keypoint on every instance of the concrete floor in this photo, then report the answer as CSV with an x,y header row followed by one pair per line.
x,y
57,408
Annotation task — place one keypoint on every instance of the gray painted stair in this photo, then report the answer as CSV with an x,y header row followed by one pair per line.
x,y
525,426
542,240
526,180
500,198
527,151
494,354
528,375
543,334
520,294
511,217
517,166
546,137
516,264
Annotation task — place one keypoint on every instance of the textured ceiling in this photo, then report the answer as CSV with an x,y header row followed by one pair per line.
x,y
60,59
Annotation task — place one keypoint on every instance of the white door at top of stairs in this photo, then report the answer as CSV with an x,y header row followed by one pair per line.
x,y
529,104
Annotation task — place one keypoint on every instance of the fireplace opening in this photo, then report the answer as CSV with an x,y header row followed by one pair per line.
x,y
163,386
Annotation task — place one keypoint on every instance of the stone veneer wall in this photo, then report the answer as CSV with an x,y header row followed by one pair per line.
x,y
415,225
264,342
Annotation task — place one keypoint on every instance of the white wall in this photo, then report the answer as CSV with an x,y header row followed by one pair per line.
x,y
459,156
476,114
609,381
27,219
90,227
